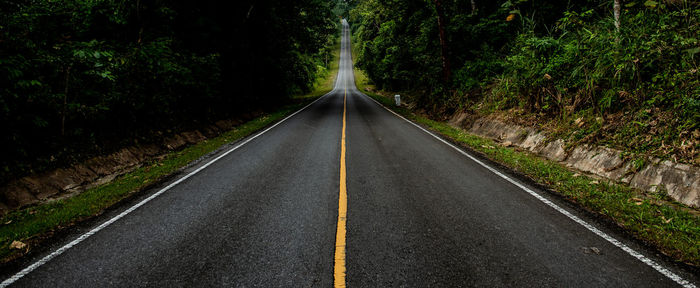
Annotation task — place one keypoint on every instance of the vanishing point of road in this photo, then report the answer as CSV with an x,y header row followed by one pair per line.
x,y
344,192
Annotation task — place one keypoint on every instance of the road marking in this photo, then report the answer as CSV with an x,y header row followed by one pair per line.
x,y
48,258
339,267
663,270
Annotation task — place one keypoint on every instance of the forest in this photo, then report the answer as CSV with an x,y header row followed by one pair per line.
x,y
84,77
623,73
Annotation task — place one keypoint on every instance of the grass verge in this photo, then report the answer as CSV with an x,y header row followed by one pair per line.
x,y
35,224
673,231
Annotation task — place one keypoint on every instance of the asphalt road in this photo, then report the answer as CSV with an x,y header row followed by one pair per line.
x,y
419,214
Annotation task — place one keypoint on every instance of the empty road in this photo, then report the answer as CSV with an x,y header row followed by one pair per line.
x,y
344,192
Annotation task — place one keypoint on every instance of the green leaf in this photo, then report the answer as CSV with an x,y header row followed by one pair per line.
x,y
692,51
651,3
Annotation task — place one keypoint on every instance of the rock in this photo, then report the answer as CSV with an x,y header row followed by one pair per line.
x,y
175,142
591,250
100,165
18,245
124,158
681,184
496,129
457,120
554,151
210,131
683,167
37,186
192,137
17,195
62,180
601,161
83,173
66,182
682,181
532,141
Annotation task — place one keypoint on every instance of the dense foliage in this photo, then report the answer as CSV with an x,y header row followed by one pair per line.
x,y
79,75
555,59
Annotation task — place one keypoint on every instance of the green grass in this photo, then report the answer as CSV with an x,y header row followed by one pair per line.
x,y
33,225
672,229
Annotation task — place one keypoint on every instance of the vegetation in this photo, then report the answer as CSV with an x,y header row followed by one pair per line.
x,y
631,79
84,77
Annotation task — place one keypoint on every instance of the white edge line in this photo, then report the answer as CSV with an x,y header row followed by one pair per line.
x,y
666,272
59,251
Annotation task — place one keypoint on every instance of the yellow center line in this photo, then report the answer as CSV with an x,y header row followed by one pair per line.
x,y
339,268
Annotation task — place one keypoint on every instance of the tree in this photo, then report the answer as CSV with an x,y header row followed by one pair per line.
x,y
79,78
443,41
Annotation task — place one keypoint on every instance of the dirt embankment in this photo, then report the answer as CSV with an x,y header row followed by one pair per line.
x,y
69,181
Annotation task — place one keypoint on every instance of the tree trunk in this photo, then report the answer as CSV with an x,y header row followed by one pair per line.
x,y
616,12
443,41
65,102
250,10
473,7
138,18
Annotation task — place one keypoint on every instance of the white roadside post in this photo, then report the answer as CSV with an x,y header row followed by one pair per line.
x,y
397,98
